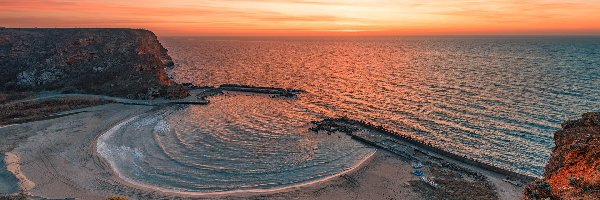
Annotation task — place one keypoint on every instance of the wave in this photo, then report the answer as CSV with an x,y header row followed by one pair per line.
x,y
235,144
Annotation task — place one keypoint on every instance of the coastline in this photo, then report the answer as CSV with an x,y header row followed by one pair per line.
x,y
98,147
239,193
61,156
36,172
56,154
85,173
13,161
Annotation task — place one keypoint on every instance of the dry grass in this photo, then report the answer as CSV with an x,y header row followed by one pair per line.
x,y
20,196
456,183
13,96
20,112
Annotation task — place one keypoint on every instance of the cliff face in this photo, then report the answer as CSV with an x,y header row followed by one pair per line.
x,y
573,171
118,62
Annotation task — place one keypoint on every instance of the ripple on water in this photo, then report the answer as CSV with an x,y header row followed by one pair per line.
x,y
497,100
235,143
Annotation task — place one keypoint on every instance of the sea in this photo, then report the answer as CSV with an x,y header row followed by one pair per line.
x,y
497,100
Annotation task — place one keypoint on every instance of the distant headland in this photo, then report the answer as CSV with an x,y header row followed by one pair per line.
x,y
117,62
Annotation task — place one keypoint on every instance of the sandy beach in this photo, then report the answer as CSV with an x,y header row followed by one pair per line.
x,y
57,158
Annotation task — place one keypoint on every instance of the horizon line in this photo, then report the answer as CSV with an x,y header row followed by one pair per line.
x,y
346,34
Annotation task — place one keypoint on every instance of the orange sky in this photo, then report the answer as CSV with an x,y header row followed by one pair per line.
x,y
312,17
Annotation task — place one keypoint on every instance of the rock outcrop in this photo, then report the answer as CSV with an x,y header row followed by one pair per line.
x,y
118,62
573,171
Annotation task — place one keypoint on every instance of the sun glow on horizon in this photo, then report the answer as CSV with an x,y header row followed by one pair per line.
x,y
313,17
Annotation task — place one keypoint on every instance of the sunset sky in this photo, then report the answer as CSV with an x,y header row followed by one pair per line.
x,y
312,17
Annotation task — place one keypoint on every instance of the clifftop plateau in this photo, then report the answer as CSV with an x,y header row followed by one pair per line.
x,y
118,62
573,171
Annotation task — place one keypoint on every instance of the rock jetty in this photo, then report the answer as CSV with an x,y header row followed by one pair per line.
x,y
262,90
352,127
441,173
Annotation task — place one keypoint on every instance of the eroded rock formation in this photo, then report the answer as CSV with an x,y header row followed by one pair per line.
x,y
118,62
573,171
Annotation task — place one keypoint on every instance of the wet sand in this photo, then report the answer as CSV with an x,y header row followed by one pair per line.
x,y
58,155
383,177
57,158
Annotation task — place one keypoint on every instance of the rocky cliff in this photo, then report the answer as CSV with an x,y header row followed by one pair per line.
x,y
118,62
573,171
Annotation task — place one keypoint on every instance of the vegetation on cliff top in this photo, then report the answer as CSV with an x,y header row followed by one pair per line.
x,y
573,171
118,62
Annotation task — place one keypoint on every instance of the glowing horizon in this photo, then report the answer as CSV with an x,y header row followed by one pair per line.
x,y
314,17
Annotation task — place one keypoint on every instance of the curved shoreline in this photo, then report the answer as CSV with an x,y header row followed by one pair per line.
x,y
98,145
78,170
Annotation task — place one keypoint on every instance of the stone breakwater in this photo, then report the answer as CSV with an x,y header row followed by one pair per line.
x,y
352,127
283,92
117,62
203,92
443,174
573,171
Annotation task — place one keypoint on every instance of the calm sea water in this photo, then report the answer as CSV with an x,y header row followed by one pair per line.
x,y
494,99
497,100
236,143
